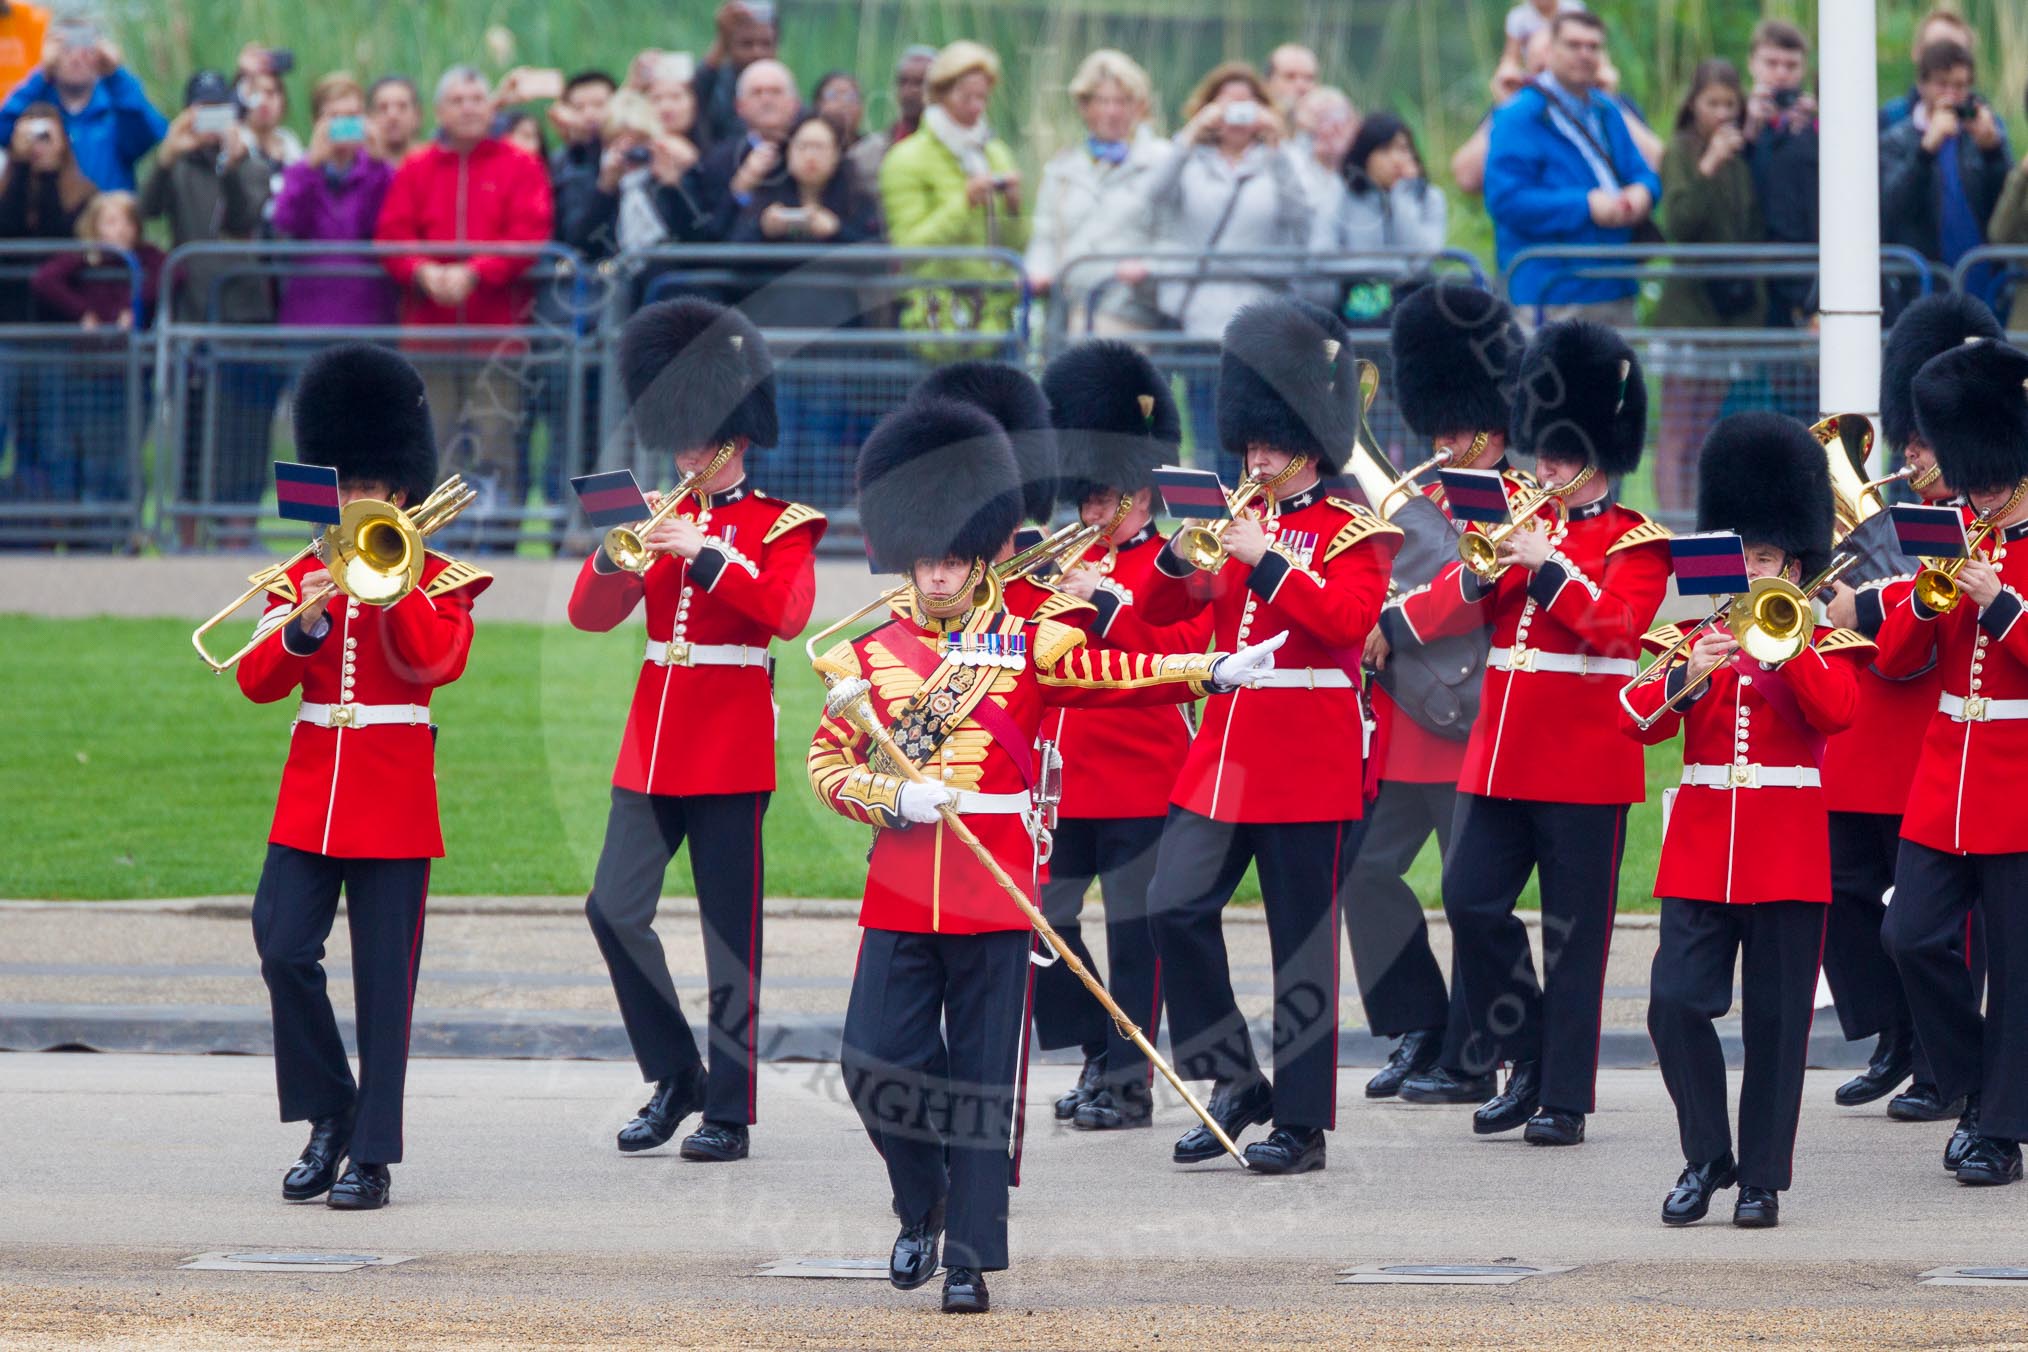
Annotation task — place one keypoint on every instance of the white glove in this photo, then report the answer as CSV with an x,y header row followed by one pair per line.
x,y
1236,669
920,802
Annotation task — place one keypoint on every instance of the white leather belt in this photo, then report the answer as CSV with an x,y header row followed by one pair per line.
x,y
360,715
704,654
1300,678
1752,776
1979,709
1575,664
971,804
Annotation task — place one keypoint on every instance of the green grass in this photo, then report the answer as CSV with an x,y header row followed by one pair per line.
x,y
130,771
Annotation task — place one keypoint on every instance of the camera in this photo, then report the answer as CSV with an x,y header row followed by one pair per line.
x,y
1785,99
1968,111
347,131
638,156
39,128
1243,113
213,119
281,61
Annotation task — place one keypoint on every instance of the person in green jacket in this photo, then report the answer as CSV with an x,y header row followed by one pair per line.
x,y
1707,198
954,185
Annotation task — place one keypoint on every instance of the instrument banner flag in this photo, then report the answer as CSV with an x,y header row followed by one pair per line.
x,y
611,499
1475,495
1709,564
306,493
1929,532
1192,494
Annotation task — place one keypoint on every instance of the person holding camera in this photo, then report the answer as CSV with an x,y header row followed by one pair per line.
x,y
105,113
1942,171
1779,132
334,192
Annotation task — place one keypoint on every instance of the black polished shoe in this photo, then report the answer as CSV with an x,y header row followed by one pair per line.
x,y
1757,1209
1287,1150
965,1292
914,1260
1117,1109
715,1142
1923,1103
1690,1199
1415,1052
1966,1133
363,1187
1234,1110
1514,1105
1444,1085
1555,1126
1089,1081
315,1169
1893,1057
1990,1162
659,1117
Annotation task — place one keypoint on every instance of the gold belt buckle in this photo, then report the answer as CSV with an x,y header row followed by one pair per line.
x,y
1745,776
1520,658
339,717
676,655
1975,709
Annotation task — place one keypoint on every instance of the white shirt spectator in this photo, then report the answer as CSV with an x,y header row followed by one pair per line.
x,y
1254,204
1088,205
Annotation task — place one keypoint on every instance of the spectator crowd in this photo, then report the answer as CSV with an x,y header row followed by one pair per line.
x,y
431,207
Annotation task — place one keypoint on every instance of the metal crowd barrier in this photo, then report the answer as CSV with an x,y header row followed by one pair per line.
x,y
1557,270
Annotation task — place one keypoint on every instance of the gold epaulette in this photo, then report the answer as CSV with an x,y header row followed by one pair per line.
x,y
1647,533
1845,641
1054,639
275,582
1662,639
1364,525
1059,603
840,659
793,515
456,573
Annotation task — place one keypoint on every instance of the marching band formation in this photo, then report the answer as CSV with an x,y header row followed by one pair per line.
x,y
1375,658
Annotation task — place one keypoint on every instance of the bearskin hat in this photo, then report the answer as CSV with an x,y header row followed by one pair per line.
x,y
1115,419
1454,348
1579,392
1288,378
937,479
363,411
1765,477
697,374
1009,396
1930,326
1971,406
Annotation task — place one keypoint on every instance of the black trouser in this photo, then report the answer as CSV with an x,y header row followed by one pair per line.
x,y
643,832
1400,981
1302,871
1575,849
1925,930
944,1116
293,910
1691,988
1120,852
1864,984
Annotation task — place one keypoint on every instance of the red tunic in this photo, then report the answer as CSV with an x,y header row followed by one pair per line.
x,y
1285,753
1124,763
1973,774
366,792
1868,767
1765,843
709,728
1543,735
920,878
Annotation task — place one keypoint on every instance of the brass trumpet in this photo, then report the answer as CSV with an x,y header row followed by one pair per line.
x,y
1480,550
1067,543
374,555
1936,586
1202,546
627,546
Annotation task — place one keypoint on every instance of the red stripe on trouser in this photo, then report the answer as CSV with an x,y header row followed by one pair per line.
x,y
1337,881
1021,1080
1154,1024
752,982
1606,955
415,956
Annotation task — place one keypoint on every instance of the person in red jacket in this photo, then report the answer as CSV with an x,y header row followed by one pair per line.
x,y
1566,612
1116,422
468,187
1275,776
357,810
938,1016
1964,841
1746,856
1453,347
1867,770
733,570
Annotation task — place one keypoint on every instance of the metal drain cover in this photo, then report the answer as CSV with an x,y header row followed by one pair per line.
x,y
1975,1276
1442,1274
827,1268
262,1260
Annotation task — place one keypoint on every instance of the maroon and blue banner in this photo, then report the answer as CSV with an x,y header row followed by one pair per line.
x,y
1929,532
1710,564
1475,494
306,493
1192,494
611,499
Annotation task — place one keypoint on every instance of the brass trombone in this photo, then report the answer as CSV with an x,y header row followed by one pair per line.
x,y
374,555
1066,543
1936,586
627,546
1481,550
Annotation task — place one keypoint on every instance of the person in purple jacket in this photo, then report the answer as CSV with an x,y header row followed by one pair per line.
x,y
334,193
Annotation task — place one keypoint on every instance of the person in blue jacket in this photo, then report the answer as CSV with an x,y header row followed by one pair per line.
x,y
106,113
1563,169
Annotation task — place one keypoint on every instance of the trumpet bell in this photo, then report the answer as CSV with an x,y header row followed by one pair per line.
x,y
375,553
1481,553
1199,546
1938,589
1774,625
628,551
